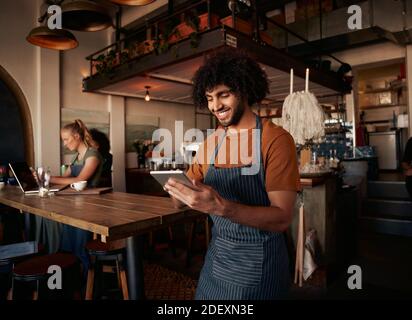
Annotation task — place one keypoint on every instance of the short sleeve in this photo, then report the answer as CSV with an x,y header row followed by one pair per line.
x,y
195,171
92,153
281,166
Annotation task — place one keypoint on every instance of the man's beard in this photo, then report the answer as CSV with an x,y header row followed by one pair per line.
x,y
237,114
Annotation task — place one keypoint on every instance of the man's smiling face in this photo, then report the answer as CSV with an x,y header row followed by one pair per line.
x,y
225,105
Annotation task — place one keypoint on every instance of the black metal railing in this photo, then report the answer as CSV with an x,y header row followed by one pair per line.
x,y
140,42
118,52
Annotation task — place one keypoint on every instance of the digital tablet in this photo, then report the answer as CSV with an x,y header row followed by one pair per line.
x,y
179,175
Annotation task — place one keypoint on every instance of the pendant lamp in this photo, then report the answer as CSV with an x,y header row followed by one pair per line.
x,y
57,39
133,2
85,15
147,95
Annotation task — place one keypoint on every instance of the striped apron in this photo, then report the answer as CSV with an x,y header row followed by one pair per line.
x,y
242,262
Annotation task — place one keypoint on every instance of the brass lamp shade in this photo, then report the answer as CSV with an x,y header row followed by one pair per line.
x,y
57,39
133,2
84,15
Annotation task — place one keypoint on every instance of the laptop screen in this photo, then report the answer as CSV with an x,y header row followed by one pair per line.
x,y
23,175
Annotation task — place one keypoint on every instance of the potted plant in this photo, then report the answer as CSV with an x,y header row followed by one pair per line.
x,y
241,25
165,38
142,147
105,63
140,48
192,24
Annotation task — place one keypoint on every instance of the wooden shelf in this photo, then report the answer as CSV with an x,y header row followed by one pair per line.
x,y
335,111
376,91
394,87
381,106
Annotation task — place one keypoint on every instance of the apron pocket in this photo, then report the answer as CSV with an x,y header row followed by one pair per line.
x,y
238,263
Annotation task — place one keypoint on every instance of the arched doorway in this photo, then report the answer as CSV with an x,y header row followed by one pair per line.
x,y
16,130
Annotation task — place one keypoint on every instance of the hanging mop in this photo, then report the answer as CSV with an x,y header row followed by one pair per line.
x,y
302,116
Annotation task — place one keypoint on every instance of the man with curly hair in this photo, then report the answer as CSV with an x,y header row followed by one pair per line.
x,y
247,256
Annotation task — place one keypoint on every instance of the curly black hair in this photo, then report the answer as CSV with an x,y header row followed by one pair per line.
x,y
234,69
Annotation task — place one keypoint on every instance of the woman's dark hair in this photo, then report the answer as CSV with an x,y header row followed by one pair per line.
x,y
102,140
234,69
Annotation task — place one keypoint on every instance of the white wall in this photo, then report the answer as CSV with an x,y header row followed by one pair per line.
x,y
381,52
49,79
385,51
74,67
167,113
17,56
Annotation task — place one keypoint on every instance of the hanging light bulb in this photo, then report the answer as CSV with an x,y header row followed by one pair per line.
x,y
147,96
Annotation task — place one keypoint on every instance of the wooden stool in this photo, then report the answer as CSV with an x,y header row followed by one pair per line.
x,y
11,254
35,269
100,251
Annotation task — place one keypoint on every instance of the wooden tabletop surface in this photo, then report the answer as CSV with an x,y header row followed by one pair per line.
x,y
114,215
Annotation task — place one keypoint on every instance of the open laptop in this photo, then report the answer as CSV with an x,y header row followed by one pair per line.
x,y
26,180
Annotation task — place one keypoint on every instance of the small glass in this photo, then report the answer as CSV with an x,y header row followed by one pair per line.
x,y
44,182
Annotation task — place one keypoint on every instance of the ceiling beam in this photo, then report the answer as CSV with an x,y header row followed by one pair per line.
x,y
168,78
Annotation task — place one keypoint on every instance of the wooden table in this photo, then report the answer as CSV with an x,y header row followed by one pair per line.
x,y
112,215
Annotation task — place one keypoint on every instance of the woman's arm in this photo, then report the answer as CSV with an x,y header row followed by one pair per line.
x,y
90,167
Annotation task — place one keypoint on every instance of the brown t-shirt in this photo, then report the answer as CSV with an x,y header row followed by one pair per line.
x,y
278,154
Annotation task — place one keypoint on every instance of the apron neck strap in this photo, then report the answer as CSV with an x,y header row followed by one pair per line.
x,y
258,137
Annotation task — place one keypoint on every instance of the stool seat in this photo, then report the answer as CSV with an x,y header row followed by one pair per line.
x,y
98,248
35,270
38,266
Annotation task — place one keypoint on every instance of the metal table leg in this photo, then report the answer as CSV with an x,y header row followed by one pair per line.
x,y
135,280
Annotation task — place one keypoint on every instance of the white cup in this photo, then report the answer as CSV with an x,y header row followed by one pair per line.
x,y
2,185
79,185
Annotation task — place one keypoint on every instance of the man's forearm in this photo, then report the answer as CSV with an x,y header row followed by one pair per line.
x,y
265,218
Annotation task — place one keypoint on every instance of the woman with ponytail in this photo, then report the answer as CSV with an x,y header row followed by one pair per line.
x,y
86,165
